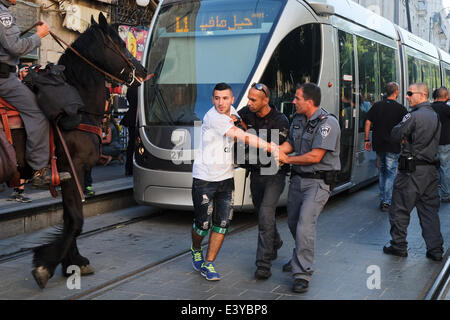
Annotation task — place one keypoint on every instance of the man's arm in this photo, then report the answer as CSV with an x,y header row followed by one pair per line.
x,y
311,157
403,129
367,145
251,140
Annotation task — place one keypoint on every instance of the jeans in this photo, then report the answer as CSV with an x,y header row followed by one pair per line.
x,y
388,171
444,170
266,191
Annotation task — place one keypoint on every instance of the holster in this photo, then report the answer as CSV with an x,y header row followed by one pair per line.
x,y
5,70
330,178
407,164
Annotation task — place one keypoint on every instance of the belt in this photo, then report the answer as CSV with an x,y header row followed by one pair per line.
x,y
8,67
310,175
424,163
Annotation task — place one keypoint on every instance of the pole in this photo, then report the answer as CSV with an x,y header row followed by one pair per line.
x,y
408,16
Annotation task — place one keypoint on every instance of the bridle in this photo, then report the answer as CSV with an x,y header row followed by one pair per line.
x,y
132,75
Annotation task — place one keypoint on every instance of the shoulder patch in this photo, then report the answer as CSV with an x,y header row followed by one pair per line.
x,y
406,117
6,19
324,130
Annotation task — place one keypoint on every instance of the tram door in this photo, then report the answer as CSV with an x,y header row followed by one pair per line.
x,y
347,104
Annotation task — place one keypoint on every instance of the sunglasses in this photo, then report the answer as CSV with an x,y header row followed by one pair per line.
x,y
410,93
260,87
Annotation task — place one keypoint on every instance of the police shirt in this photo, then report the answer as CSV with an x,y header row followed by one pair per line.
x,y
11,45
274,122
418,127
321,131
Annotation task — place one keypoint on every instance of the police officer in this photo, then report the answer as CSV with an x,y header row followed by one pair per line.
x,y
314,138
18,95
267,180
416,184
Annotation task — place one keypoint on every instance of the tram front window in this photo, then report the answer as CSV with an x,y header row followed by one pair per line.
x,y
197,44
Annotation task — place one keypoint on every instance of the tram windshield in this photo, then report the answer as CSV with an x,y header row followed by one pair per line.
x,y
197,44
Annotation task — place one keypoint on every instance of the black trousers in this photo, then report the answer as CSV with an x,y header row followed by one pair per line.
x,y
418,189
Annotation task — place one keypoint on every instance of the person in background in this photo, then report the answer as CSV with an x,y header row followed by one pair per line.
x,y
383,116
443,110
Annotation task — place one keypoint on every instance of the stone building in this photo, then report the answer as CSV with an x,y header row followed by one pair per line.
x,y
69,18
430,19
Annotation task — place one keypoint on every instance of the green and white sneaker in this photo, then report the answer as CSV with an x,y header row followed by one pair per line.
x,y
209,272
197,259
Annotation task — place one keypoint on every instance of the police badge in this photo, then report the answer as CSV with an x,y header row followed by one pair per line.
x,y
6,19
325,130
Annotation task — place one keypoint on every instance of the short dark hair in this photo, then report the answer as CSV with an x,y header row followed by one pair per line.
x,y
441,92
311,91
391,87
222,86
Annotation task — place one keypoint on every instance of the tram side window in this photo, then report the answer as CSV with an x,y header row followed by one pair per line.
x,y
447,78
368,78
414,71
388,69
297,59
436,77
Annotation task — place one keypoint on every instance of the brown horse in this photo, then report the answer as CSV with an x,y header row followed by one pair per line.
x,y
102,46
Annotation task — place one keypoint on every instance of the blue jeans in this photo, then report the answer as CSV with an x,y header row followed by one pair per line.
x,y
444,170
388,171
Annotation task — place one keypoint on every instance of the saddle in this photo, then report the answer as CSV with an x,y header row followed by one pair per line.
x,y
10,119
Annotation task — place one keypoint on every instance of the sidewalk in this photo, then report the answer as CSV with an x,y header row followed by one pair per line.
x,y
101,175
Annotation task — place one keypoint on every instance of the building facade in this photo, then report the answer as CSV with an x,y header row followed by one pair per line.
x,y
69,18
430,19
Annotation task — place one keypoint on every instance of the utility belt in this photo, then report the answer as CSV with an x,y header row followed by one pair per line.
x,y
6,69
409,163
329,177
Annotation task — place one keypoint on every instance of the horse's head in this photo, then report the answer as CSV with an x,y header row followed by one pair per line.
x,y
117,60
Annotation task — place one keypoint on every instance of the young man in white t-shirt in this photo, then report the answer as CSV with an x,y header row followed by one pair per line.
x,y
213,183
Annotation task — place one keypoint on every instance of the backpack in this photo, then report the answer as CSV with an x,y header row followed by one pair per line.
x,y
58,100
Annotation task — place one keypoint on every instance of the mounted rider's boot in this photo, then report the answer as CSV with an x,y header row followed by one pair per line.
x,y
43,177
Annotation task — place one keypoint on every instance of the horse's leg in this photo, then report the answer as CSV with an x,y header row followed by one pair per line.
x,y
47,257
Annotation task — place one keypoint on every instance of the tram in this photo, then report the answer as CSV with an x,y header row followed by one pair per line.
x,y
349,51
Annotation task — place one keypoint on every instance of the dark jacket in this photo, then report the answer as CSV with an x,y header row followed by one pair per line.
x,y
443,110
421,130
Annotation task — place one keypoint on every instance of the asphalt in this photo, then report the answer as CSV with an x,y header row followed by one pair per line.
x,y
349,262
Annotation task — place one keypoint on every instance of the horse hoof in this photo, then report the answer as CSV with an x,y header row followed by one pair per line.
x,y
86,270
41,275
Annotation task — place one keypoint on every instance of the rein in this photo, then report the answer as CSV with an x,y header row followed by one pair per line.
x,y
107,74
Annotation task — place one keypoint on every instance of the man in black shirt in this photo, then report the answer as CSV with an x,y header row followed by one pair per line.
x,y
383,116
267,180
441,107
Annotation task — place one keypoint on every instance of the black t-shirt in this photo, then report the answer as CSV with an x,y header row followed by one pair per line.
x,y
384,115
443,110
273,120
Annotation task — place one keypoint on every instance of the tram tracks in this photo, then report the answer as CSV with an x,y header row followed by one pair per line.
x,y
28,251
129,276
441,284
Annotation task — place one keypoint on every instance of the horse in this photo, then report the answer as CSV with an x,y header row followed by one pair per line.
x,y
102,46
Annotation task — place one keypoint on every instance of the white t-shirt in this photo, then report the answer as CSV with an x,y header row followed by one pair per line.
x,y
214,157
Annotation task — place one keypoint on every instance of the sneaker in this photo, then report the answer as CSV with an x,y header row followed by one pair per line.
x,y
384,206
395,252
89,192
445,199
197,259
43,177
209,272
262,273
19,197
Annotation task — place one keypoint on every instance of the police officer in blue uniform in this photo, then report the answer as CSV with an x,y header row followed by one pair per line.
x,y
267,180
17,94
314,138
416,184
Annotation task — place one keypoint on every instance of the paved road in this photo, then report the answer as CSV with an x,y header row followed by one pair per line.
x,y
149,259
